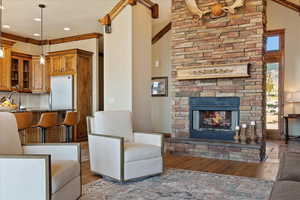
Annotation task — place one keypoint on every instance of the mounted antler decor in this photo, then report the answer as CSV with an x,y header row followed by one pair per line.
x,y
217,10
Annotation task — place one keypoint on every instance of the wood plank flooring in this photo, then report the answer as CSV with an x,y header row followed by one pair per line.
x,y
266,170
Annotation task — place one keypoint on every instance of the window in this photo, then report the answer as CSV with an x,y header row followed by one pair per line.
x,y
273,43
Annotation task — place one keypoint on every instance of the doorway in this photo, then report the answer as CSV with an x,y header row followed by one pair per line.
x,y
274,63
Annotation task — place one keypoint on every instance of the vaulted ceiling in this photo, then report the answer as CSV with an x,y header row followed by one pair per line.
x,y
79,15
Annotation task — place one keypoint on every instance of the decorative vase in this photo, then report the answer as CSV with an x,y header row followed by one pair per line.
x,y
237,134
253,135
243,135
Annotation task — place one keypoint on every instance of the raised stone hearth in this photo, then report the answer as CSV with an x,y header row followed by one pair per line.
x,y
217,149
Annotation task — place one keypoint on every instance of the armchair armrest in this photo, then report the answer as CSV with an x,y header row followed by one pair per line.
x,y
70,151
149,138
107,155
25,177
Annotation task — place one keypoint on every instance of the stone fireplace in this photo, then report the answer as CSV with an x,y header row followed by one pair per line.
x,y
214,117
229,40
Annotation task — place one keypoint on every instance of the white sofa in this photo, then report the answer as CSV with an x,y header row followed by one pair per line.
x,y
117,152
36,172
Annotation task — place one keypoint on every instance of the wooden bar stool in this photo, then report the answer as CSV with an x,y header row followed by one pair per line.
x,y
24,121
47,120
69,122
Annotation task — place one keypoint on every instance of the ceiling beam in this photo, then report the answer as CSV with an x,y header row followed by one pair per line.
x,y
288,4
53,41
161,33
107,19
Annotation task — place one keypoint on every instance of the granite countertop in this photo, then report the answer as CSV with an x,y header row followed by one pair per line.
x,y
38,109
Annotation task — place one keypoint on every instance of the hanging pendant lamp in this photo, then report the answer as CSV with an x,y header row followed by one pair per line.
x,y
42,56
1,43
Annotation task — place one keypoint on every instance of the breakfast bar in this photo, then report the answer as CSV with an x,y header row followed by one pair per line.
x,y
55,134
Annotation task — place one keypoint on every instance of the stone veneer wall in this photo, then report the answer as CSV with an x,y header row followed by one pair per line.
x,y
232,39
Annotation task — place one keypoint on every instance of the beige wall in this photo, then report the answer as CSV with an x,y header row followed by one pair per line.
x,y
127,65
26,48
142,35
161,106
118,63
280,17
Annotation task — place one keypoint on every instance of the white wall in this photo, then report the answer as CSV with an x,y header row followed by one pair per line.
x,y
280,17
161,106
91,45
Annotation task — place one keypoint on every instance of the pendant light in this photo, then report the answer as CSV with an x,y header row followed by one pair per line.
x,y
42,56
1,44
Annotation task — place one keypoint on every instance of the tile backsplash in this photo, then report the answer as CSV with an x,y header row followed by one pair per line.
x,y
29,100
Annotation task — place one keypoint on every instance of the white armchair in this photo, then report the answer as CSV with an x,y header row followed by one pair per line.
x,y
117,152
36,172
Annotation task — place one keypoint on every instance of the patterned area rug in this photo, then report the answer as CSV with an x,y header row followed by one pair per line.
x,y
181,185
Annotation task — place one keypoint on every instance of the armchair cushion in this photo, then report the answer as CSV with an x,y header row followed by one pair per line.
x,y
114,123
9,136
137,151
63,171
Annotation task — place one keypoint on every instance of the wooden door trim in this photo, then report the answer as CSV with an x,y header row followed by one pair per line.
x,y
278,57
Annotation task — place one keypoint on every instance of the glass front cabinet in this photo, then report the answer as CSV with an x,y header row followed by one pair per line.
x,y
21,72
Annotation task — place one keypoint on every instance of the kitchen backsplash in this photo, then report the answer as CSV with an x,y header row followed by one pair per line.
x,y
29,100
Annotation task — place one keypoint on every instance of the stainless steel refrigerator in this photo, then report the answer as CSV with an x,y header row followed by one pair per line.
x,y
62,92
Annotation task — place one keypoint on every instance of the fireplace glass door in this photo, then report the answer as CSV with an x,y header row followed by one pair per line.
x,y
215,120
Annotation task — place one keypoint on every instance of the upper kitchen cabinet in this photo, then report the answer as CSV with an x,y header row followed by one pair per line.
x,y
40,75
5,66
63,62
21,72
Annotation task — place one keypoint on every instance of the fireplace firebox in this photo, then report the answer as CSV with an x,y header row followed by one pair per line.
x,y
214,117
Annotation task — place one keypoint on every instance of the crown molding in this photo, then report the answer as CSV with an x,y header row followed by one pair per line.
x,y
53,41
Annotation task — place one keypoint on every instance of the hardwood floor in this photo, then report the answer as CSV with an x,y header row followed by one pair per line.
x,y
266,170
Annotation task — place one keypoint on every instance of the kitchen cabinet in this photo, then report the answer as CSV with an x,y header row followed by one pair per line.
x,y
78,63
5,66
63,63
20,72
40,75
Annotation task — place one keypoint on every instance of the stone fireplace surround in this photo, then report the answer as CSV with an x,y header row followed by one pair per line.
x,y
228,40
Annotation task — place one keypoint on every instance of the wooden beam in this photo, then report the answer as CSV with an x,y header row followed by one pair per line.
x,y
114,12
75,38
161,33
288,4
154,7
20,38
106,20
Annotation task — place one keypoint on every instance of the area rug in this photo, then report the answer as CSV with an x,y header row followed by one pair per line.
x,y
181,185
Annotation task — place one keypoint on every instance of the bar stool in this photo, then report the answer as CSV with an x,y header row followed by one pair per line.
x,y
69,122
24,121
47,120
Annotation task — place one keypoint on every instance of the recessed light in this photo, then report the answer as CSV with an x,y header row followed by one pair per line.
x,y
67,29
6,26
37,19
36,34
